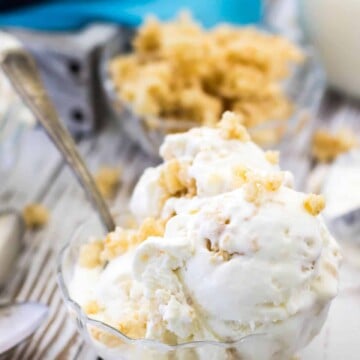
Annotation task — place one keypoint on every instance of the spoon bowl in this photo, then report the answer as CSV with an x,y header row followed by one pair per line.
x,y
26,315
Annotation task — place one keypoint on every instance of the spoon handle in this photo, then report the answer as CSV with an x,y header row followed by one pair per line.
x,y
22,72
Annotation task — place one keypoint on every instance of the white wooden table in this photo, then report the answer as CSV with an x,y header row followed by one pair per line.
x,y
41,176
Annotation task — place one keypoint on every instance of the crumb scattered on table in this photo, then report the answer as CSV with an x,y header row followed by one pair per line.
x,y
327,146
314,204
107,180
35,216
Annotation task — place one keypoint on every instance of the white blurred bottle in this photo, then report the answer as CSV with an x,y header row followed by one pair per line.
x,y
334,28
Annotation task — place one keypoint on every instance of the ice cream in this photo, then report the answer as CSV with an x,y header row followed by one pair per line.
x,y
249,255
205,162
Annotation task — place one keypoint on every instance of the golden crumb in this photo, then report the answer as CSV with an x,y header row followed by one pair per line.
x,y
134,327
150,227
225,68
35,216
257,186
253,192
169,177
326,146
174,179
273,181
314,204
107,180
231,127
121,240
272,157
90,254
117,243
92,307
240,173
191,188
148,39
193,211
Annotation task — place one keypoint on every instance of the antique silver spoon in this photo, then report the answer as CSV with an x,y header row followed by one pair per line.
x,y
21,70
27,316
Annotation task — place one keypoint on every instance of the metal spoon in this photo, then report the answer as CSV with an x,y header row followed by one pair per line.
x,y
21,70
26,315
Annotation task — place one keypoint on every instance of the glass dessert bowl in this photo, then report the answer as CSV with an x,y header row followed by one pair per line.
x,y
227,260
170,94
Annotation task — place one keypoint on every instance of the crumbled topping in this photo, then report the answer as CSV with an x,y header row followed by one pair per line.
x,y
134,326
107,180
150,227
314,204
35,216
273,181
92,307
240,175
193,211
121,240
148,39
90,254
257,186
175,180
272,157
169,178
117,243
254,192
231,127
204,87
327,146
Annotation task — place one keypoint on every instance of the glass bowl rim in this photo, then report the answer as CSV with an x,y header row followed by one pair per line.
x,y
85,319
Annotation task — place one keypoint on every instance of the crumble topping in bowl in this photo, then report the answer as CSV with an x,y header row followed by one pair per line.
x,y
179,71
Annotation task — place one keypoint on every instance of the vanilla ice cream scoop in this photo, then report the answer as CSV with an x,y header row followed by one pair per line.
x,y
201,162
221,259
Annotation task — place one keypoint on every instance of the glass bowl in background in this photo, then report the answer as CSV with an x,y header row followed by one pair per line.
x,y
304,88
111,344
333,27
